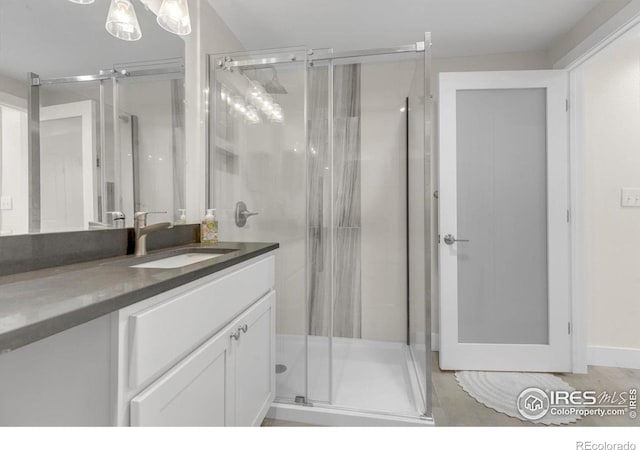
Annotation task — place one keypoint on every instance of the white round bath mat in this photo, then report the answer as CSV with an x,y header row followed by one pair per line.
x,y
505,393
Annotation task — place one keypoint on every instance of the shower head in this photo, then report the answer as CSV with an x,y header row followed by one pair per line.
x,y
273,86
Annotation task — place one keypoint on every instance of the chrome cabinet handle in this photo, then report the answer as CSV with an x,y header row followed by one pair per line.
x,y
235,335
243,329
450,239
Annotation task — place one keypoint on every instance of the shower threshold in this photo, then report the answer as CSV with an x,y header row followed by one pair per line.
x,y
335,416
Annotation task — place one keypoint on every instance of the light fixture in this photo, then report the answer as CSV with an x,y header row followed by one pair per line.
x,y
173,16
122,21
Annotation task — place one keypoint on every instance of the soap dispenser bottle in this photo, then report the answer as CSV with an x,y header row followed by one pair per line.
x,y
183,216
209,228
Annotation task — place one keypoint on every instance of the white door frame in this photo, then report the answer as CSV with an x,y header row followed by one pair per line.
x,y
574,61
85,110
556,355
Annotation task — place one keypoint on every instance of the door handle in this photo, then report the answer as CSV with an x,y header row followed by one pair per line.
x,y
450,239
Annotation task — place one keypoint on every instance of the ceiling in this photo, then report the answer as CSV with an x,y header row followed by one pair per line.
x,y
459,27
56,38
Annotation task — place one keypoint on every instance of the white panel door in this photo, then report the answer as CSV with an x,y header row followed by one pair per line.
x,y
194,393
254,357
68,152
504,232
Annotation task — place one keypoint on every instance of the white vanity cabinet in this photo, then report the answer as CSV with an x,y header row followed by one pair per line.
x,y
202,354
229,380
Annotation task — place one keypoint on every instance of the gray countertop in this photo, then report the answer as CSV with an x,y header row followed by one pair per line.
x,y
38,304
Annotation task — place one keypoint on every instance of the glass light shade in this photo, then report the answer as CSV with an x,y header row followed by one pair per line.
x,y
122,21
173,16
83,2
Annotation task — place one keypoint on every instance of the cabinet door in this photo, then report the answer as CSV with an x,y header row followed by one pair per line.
x,y
254,356
193,393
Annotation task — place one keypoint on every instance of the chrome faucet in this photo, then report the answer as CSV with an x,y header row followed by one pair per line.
x,y
142,229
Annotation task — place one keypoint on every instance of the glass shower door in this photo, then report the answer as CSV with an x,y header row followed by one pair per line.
x,y
378,185
258,183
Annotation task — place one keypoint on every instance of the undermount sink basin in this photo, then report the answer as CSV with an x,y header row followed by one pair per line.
x,y
175,262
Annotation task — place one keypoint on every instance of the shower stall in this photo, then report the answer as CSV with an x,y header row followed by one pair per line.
x,y
329,154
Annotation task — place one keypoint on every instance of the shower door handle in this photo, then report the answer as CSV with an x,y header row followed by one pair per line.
x,y
450,239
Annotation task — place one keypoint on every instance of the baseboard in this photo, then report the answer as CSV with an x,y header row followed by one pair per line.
x,y
628,358
435,340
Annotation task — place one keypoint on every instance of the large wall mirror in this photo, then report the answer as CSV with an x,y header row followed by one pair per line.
x,y
91,126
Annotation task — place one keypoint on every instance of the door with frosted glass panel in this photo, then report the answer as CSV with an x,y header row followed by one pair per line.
x,y
504,232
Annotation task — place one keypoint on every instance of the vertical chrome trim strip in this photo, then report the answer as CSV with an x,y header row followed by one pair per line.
x,y
428,212
102,179
33,127
209,135
307,310
117,147
135,161
330,113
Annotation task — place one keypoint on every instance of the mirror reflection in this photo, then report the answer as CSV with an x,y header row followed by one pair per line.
x,y
91,126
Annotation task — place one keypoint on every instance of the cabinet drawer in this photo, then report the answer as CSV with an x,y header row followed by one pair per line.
x,y
164,333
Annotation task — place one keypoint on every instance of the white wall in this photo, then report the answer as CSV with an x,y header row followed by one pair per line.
x,y
17,88
14,170
611,87
384,87
150,101
503,61
595,18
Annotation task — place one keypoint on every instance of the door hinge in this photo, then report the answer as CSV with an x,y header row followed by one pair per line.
x,y
97,162
568,216
567,104
568,327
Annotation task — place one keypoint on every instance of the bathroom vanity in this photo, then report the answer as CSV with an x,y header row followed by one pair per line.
x,y
154,341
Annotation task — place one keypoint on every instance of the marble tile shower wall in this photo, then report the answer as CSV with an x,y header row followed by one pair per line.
x,y
347,319
347,315
318,175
